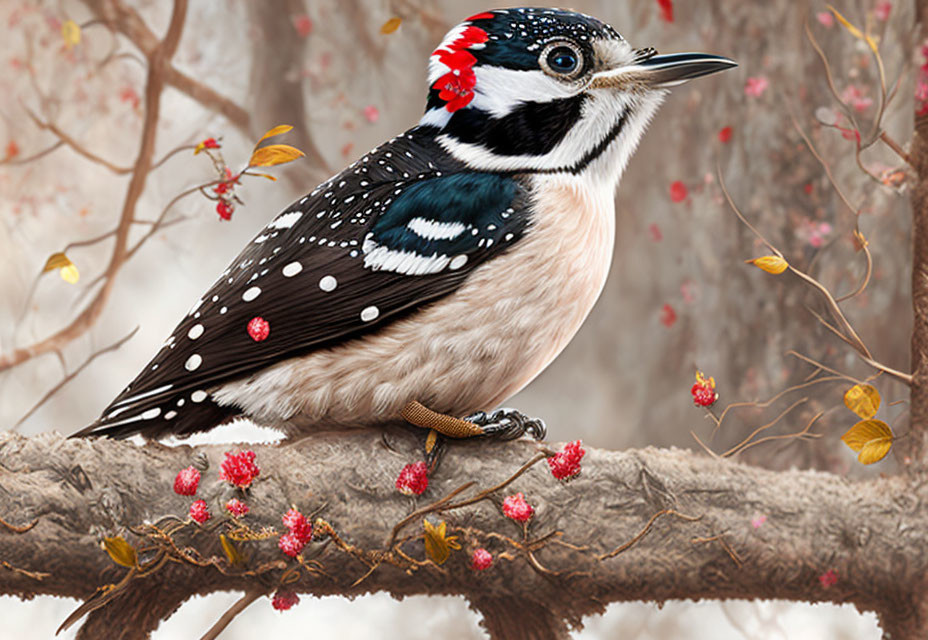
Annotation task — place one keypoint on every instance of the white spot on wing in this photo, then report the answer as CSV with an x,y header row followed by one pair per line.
x,y
328,283
195,331
198,396
193,362
291,269
369,314
286,221
151,414
170,415
251,293
457,262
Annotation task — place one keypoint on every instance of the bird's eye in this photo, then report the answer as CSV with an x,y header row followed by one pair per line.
x,y
562,60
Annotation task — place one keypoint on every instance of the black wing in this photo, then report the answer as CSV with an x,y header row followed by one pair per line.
x,y
392,232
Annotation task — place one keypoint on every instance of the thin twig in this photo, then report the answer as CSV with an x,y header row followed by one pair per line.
x,y
745,443
69,377
240,605
644,532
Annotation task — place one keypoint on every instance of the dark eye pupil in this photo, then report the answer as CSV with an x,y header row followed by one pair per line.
x,y
562,60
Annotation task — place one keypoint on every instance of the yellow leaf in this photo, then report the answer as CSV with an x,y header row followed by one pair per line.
x,y
66,268
56,261
391,25
264,175
437,545
70,274
862,399
871,438
854,31
233,553
875,450
276,131
770,264
71,32
120,551
274,154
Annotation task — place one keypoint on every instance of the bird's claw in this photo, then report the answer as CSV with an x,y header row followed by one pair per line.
x,y
508,424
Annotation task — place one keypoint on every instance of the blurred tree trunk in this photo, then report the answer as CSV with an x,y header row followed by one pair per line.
x,y
276,84
919,158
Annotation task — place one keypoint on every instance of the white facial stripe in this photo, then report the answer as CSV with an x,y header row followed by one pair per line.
x,y
499,90
433,230
600,113
435,118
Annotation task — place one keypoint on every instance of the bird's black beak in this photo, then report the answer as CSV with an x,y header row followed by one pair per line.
x,y
675,68
661,72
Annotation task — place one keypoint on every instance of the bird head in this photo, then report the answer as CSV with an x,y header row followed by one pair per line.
x,y
534,89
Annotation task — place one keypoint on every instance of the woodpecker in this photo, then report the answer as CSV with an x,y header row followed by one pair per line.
x,y
439,274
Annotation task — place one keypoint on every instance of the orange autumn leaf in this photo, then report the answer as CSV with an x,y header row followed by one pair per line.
x,y
233,553
862,399
771,264
391,25
274,154
872,439
120,551
438,546
276,131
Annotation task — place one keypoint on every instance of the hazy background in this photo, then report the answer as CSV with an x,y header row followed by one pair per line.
x,y
679,296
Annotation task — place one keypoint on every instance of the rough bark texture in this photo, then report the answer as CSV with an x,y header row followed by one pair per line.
x,y
871,534
918,154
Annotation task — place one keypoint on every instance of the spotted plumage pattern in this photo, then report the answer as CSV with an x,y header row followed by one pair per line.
x,y
397,229
450,265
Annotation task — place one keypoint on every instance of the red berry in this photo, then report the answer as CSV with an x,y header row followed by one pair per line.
x,y
413,479
725,135
186,482
239,469
259,328
284,600
298,525
199,512
517,508
291,544
224,209
703,395
236,507
678,192
566,463
210,143
481,559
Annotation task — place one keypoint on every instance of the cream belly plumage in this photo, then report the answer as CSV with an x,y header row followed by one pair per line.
x,y
449,266
472,350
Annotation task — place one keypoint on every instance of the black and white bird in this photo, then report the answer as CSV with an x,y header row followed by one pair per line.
x,y
449,266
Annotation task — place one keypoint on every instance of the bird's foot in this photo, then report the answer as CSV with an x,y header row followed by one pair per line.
x,y
504,424
508,424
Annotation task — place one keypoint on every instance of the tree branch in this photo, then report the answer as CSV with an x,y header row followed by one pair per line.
x,y
158,60
871,534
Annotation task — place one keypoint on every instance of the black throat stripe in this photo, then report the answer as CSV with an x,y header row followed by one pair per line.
x,y
593,153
